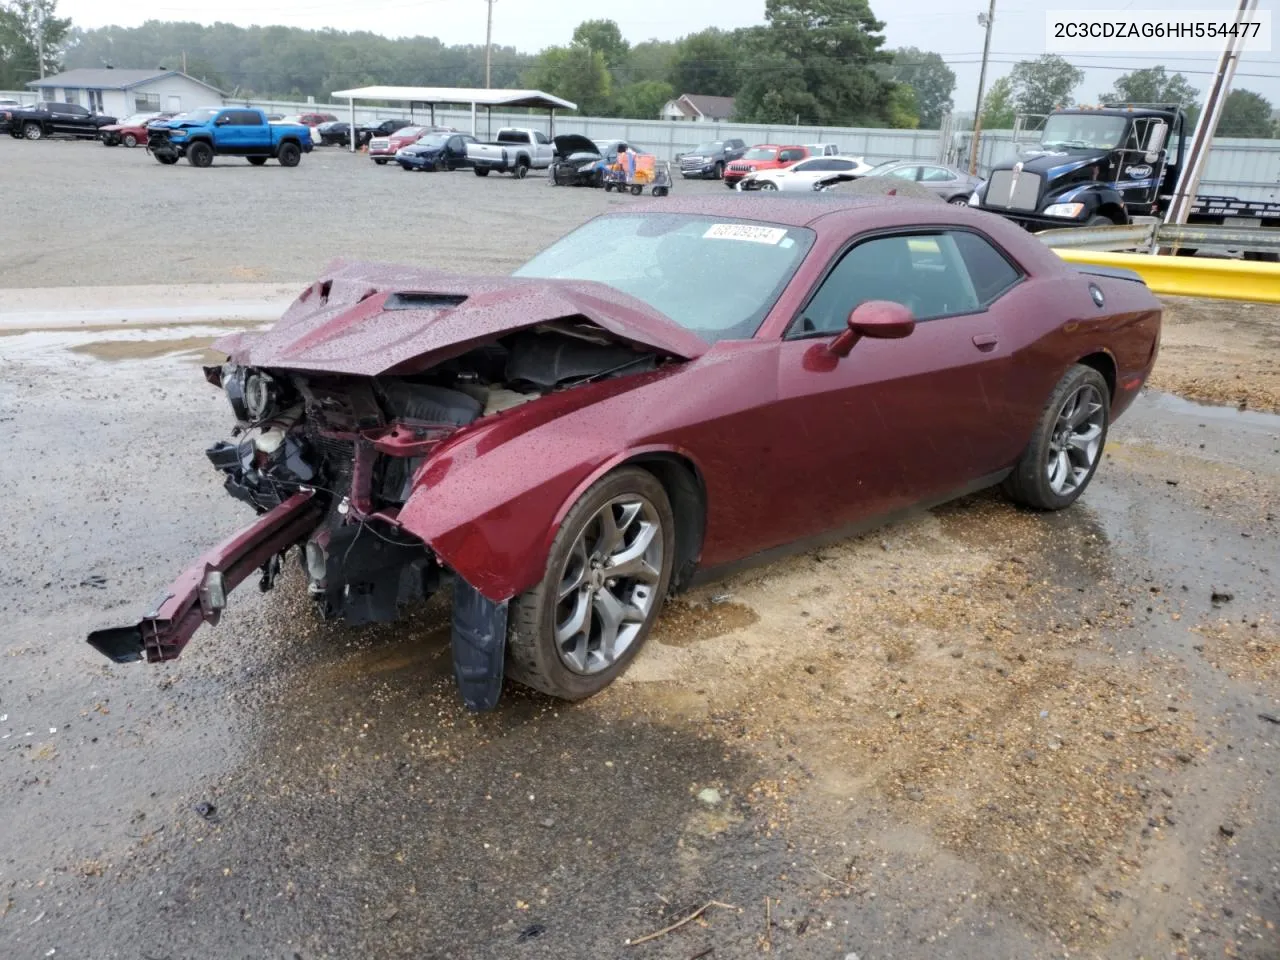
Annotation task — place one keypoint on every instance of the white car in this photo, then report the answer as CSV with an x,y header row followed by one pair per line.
x,y
803,175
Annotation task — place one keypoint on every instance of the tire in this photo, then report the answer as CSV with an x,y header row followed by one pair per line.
x,y
659,191
32,131
1098,220
130,140
636,189
289,154
961,201
608,188
108,142
1082,392
440,165
380,161
768,185
481,171
168,159
200,154
257,161
521,171
534,658
718,173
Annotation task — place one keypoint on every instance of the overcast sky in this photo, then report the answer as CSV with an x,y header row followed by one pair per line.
x,y
948,27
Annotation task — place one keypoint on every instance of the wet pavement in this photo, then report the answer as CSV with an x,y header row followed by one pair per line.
x,y
980,733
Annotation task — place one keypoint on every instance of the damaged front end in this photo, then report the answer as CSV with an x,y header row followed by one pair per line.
x,y
327,459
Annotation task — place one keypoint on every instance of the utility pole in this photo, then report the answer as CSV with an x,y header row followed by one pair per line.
x,y
987,20
184,61
40,38
488,45
1189,177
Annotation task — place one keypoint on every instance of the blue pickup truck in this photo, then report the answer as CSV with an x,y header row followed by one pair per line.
x,y
227,131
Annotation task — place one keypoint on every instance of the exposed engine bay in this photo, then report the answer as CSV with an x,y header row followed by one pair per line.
x,y
360,442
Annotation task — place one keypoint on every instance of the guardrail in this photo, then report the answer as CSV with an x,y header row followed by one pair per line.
x,y
1152,236
1206,277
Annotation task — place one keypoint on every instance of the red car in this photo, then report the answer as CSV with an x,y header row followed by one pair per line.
x,y
666,392
131,131
383,149
765,156
315,119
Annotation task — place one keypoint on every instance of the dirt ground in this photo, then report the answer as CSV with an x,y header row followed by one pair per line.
x,y
979,733
1221,352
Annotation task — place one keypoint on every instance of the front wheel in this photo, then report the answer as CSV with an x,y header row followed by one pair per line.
x,y
768,185
33,131
257,161
608,571
1066,445
1098,220
719,172
200,154
289,154
521,171
380,161
130,140
959,201
168,159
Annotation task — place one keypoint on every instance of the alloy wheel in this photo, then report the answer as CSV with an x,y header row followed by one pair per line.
x,y
608,586
1076,440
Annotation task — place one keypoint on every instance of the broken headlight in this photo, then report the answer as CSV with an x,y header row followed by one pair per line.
x,y
254,395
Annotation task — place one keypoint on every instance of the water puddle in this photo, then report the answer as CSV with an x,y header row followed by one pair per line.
x,y
1171,403
683,624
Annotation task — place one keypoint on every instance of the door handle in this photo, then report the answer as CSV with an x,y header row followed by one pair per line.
x,y
985,341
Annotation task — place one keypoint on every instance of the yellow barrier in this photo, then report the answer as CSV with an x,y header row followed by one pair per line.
x,y
1191,276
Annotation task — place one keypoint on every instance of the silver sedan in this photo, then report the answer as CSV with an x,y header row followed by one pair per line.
x,y
950,183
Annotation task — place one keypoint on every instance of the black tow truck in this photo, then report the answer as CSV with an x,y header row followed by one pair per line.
x,y
1096,166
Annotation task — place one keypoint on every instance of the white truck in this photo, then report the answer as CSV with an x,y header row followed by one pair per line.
x,y
516,151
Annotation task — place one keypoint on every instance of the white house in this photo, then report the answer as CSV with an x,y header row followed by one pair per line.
x,y
698,108
120,93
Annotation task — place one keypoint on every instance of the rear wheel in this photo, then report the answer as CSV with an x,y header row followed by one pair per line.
x,y
1066,446
200,154
481,171
289,154
607,573
130,140
32,131
380,161
257,161
522,170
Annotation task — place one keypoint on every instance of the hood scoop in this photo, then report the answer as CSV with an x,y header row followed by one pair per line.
x,y
424,301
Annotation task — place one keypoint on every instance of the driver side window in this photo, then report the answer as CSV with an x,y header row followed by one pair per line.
x,y
924,272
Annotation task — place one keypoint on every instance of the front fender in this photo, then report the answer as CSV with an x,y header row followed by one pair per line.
x,y
1092,194
489,502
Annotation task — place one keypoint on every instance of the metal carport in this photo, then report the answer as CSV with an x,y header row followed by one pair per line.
x,y
432,96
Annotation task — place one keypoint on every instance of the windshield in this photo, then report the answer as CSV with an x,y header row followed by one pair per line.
x,y
203,115
136,119
1083,130
408,132
716,278
433,140
761,153
711,147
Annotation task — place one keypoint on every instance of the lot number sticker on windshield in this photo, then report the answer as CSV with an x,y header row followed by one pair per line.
x,y
742,231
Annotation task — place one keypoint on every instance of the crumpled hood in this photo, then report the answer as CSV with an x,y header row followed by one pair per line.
x,y
567,144
369,319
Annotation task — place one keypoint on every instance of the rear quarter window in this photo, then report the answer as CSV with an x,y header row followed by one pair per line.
x,y
990,270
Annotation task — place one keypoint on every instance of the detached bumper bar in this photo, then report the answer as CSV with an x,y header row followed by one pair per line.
x,y
199,594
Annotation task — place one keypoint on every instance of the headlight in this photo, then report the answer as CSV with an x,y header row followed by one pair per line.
x,y
587,167
1064,210
259,396
974,200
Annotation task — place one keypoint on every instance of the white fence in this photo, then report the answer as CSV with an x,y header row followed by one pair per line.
x,y
1248,169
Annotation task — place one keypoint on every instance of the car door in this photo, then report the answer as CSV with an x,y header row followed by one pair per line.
x,y
941,181
80,121
896,422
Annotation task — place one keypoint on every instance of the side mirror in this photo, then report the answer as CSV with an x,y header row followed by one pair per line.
x,y
878,319
1155,142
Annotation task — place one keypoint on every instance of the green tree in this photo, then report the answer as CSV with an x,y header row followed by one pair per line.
x,y
903,108
1152,85
23,24
931,79
998,112
603,35
650,60
817,60
707,63
1245,114
642,100
575,73
1043,84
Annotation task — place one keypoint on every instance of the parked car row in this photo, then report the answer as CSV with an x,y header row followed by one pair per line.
x,y
46,118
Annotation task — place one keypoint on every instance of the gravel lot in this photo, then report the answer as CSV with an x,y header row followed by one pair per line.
x,y
235,223
981,733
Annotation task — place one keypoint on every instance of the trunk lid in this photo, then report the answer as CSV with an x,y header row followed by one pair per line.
x,y
372,319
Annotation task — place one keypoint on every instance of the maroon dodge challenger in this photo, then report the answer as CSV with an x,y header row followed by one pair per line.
x,y
668,391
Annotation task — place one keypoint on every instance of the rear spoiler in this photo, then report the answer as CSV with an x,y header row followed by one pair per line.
x,y
1115,273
